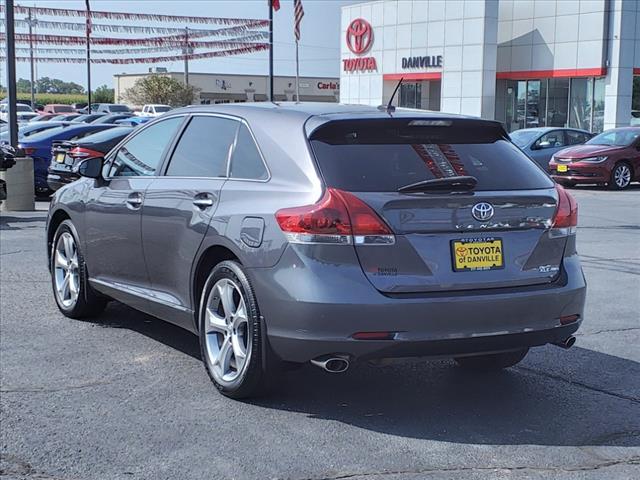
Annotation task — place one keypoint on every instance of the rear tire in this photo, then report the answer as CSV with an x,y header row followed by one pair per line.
x,y
73,294
233,342
621,176
493,361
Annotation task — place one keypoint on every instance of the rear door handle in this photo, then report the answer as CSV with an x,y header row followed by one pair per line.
x,y
134,200
203,201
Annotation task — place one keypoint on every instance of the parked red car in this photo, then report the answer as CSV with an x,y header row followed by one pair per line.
x,y
611,158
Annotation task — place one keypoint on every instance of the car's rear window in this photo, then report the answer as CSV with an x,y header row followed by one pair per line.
x,y
384,155
106,135
119,108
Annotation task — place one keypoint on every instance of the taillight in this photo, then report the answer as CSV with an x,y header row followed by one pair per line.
x,y
337,218
28,151
565,219
79,152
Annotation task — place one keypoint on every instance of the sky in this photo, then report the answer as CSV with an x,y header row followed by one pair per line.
x,y
319,45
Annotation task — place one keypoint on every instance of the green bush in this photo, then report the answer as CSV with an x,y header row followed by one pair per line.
x,y
46,98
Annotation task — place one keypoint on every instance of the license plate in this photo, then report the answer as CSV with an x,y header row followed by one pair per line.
x,y
60,157
477,254
563,168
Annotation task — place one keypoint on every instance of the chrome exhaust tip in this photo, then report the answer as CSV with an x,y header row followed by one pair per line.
x,y
332,363
566,343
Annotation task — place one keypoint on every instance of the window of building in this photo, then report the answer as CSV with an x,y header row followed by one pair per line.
x,y
557,102
580,102
410,95
203,148
142,154
247,162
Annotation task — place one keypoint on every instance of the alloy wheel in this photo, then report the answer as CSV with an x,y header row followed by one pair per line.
x,y
622,176
67,275
227,337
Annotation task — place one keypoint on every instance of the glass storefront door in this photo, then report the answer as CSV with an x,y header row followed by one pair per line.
x,y
410,95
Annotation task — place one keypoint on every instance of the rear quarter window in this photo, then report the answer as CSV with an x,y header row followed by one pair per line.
x,y
384,155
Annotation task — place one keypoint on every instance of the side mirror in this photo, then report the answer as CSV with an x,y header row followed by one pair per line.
x,y
90,167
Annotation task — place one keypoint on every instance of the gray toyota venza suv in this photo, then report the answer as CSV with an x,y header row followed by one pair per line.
x,y
323,233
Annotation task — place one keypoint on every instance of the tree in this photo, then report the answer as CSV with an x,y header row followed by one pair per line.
x,y
160,89
55,85
23,85
102,94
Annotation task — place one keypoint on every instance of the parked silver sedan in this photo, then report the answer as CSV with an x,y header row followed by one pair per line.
x,y
322,233
541,143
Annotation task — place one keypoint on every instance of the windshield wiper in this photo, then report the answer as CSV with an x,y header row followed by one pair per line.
x,y
446,184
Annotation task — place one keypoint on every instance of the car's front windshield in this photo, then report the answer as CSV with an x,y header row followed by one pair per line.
x,y
522,137
616,138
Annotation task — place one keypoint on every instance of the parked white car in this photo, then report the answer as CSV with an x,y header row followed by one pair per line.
x,y
23,112
154,110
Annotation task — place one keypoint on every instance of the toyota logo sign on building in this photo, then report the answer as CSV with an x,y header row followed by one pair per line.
x,y
359,39
359,36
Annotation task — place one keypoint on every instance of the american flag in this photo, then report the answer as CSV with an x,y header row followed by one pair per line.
x,y
298,13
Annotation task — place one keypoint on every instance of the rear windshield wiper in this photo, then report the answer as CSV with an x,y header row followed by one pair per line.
x,y
446,184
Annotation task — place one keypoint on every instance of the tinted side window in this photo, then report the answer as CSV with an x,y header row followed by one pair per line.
x,y
552,139
246,161
575,138
142,154
203,148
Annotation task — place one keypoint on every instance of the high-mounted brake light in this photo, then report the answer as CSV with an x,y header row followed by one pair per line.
x,y
337,218
565,219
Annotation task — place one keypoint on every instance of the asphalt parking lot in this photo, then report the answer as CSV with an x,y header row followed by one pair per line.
x,y
126,396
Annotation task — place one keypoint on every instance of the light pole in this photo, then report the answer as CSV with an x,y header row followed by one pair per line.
x,y
12,96
88,57
32,22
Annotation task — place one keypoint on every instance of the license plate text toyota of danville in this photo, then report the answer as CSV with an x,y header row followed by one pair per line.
x,y
477,254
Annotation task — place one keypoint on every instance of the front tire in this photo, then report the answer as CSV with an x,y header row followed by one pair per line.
x,y
621,176
73,294
493,361
232,341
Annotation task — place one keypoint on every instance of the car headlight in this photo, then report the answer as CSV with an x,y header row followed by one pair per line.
x,y
593,159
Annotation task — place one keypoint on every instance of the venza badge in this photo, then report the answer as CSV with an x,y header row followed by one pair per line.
x,y
482,211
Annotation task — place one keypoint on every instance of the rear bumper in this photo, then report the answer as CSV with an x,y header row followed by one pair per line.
x,y
314,309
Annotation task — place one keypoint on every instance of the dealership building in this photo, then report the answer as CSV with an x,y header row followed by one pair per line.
x,y
230,88
526,63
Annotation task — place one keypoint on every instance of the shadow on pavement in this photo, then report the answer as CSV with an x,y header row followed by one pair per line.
x,y
7,222
554,397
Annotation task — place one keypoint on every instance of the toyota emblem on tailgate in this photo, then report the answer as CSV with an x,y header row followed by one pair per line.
x,y
482,211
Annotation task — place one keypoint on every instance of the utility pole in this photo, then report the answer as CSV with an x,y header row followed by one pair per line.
x,y
12,96
186,52
88,57
32,21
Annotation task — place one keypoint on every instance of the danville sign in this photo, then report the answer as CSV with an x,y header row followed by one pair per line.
x,y
359,39
422,62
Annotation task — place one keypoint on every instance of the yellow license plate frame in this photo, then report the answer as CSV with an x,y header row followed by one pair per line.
x,y
562,168
60,157
477,254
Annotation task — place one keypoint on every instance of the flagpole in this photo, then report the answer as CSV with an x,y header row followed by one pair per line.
x,y
88,59
270,52
297,75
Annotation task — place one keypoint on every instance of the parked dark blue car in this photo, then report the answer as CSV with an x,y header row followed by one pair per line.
x,y
38,147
